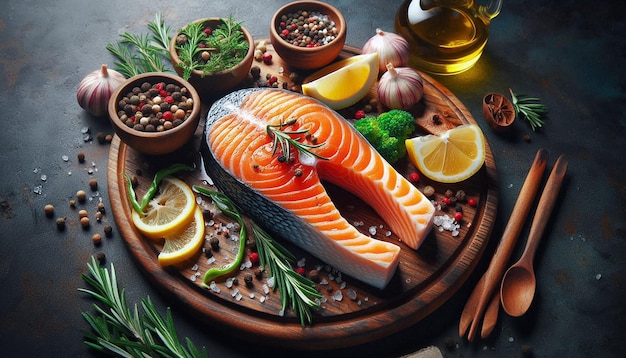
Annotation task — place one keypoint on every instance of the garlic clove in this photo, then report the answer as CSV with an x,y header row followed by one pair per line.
x,y
391,48
95,89
400,88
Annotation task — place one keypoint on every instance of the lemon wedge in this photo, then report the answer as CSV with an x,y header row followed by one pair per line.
x,y
169,212
183,245
343,83
451,157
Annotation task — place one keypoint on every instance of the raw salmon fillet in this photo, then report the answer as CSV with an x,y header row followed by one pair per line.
x,y
288,198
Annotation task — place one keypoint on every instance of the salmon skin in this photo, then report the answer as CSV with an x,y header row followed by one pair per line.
x,y
286,195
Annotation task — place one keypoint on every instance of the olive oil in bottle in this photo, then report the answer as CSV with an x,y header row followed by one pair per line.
x,y
445,36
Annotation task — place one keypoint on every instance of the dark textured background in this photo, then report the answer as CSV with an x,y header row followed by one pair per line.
x,y
568,53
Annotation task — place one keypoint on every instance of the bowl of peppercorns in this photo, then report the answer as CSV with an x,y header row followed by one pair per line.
x,y
214,54
308,34
155,113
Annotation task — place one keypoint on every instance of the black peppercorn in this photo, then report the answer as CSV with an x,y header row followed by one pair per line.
x,y
215,243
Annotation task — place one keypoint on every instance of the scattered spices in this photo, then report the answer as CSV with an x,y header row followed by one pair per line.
x,y
101,207
472,202
72,203
81,157
93,184
49,210
254,258
96,239
84,222
81,196
359,114
449,193
247,278
267,58
215,243
98,216
100,257
255,72
458,216
307,29
61,223
82,213
108,231
314,275
460,195
428,191
414,177
527,138
301,270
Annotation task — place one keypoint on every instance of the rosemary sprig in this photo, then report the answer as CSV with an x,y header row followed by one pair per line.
x,y
226,44
138,54
285,140
294,289
530,107
123,331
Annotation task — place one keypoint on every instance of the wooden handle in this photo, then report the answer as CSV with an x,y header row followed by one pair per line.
x,y
544,207
495,271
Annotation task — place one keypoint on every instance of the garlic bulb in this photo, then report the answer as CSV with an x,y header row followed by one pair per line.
x,y
400,88
391,48
95,90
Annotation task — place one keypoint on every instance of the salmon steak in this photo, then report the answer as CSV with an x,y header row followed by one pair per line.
x,y
269,150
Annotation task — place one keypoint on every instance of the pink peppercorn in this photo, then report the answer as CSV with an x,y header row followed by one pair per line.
x,y
414,177
208,31
458,216
359,114
169,99
162,93
447,201
472,202
167,115
301,270
285,32
254,257
267,58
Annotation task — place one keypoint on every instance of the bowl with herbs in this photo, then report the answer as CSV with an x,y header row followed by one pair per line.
x,y
308,34
155,113
213,54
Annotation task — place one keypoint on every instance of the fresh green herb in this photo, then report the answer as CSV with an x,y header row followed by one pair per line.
x,y
294,288
225,47
138,54
125,332
227,207
285,139
530,107
154,186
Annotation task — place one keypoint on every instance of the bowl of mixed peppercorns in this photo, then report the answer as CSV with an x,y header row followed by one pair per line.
x,y
308,34
155,113
213,54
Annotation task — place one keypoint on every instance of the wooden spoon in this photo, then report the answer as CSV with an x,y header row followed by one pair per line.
x,y
519,282
476,305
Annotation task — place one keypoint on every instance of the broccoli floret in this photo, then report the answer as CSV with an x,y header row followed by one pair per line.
x,y
397,123
368,127
388,132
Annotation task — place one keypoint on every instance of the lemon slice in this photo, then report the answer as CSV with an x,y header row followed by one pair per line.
x,y
169,212
343,83
183,245
451,157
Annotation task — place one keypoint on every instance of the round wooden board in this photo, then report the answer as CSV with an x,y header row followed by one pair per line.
x,y
425,278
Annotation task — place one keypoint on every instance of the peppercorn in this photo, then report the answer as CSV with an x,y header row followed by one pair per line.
x,y
98,216
255,71
460,196
215,243
81,157
93,184
96,239
298,172
49,210
458,208
84,222
72,203
446,201
61,223
449,193
100,137
82,213
100,257
101,207
108,231
314,275
472,202
458,216
81,196
258,273
527,138
527,350
429,191
247,278
414,177
267,58
254,257
301,270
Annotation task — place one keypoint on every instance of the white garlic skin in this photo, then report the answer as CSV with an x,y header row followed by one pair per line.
x,y
400,88
95,90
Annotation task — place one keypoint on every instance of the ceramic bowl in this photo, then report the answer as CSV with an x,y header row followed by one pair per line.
x,y
308,58
154,142
212,85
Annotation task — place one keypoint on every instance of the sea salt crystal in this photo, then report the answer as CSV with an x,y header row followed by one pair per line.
x,y
229,282
251,295
194,267
271,282
301,262
213,286
65,158
38,189
44,177
210,260
235,292
266,288
338,295
262,299
598,276
351,294
372,230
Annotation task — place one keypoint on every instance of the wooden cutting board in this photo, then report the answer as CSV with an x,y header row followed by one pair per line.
x,y
352,313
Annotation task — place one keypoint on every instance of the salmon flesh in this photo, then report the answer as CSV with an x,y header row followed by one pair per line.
x,y
286,195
